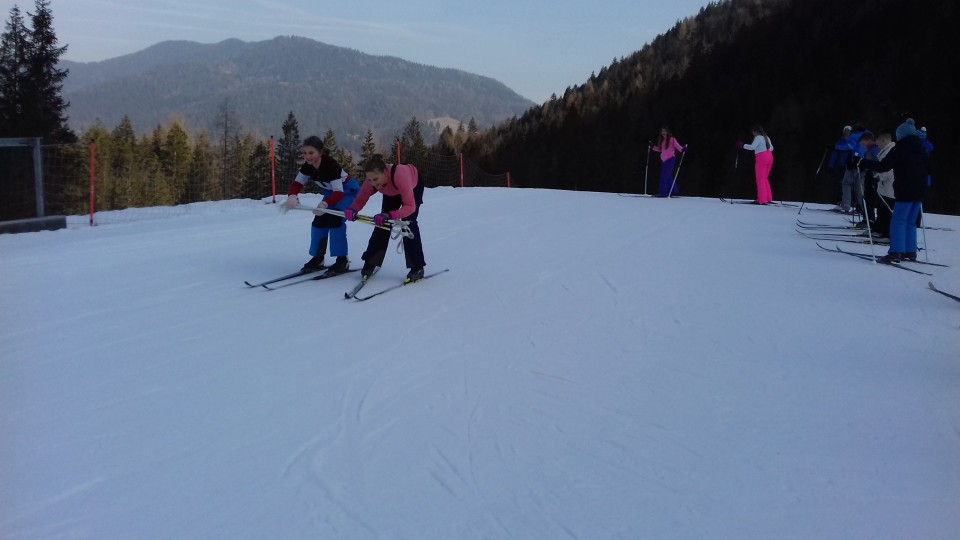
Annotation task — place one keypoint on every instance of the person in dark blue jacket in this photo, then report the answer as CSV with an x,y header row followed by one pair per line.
x,y
846,153
910,164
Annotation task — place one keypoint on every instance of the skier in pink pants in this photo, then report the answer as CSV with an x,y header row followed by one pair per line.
x,y
763,162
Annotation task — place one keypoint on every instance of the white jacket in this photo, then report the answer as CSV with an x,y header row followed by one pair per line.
x,y
759,145
885,179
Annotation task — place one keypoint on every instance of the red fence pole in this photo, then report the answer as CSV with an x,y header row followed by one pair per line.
x,y
93,176
461,169
508,178
273,172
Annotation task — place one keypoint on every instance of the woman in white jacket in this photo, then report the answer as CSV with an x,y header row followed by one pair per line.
x,y
763,162
884,188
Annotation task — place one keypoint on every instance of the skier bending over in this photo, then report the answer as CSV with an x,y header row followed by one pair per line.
x,y
339,190
402,190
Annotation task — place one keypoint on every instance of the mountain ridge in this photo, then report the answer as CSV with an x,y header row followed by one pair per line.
x,y
325,86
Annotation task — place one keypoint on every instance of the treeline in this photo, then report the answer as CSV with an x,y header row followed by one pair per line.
x,y
169,166
800,68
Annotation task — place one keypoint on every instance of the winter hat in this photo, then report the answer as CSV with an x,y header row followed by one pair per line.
x,y
847,128
906,129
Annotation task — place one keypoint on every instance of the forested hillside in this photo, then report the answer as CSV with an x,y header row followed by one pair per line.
x,y
255,84
800,68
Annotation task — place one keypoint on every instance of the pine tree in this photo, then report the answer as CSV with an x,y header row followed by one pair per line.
x,y
47,80
30,83
367,149
176,155
288,153
14,44
229,128
413,149
260,172
330,141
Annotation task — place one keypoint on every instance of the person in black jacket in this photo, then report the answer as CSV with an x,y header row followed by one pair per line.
x,y
910,165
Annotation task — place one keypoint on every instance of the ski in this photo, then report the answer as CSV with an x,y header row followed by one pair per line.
x,y
394,287
908,261
805,225
634,195
282,278
855,238
868,257
823,226
948,295
324,275
363,281
747,201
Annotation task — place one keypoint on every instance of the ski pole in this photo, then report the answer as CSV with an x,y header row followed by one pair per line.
x,y
815,176
646,169
736,162
866,217
676,174
397,227
923,230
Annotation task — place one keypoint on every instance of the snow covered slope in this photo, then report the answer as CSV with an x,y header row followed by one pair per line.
x,y
592,366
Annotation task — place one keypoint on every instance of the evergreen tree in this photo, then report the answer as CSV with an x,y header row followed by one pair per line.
x,y
330,141
14,44
30,83
46,79
176,156
260,172
413,149
201,168
367,149
288,153
229,129
123,165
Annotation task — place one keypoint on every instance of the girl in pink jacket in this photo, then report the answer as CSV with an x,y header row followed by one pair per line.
x,y
668,147
402,189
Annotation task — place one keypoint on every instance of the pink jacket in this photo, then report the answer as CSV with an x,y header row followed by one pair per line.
x,y
672,148
402,184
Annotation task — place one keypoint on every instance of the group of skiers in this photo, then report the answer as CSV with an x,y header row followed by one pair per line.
x,y
667,146
886,178
401,187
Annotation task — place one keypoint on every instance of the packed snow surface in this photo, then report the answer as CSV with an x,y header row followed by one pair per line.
x,y
592,366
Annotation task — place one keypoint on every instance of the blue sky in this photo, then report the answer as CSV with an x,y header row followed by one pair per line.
x,y
537,48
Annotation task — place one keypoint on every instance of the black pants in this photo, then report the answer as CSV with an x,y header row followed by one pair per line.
x,y
870,196
882,223
380,238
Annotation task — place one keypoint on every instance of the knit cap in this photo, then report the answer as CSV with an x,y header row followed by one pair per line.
x,y
906,129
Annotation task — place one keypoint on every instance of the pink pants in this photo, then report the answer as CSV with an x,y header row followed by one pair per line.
x,y
762,165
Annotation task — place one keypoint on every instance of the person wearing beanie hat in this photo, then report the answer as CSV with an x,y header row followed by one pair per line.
x,y
906,129
911,166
